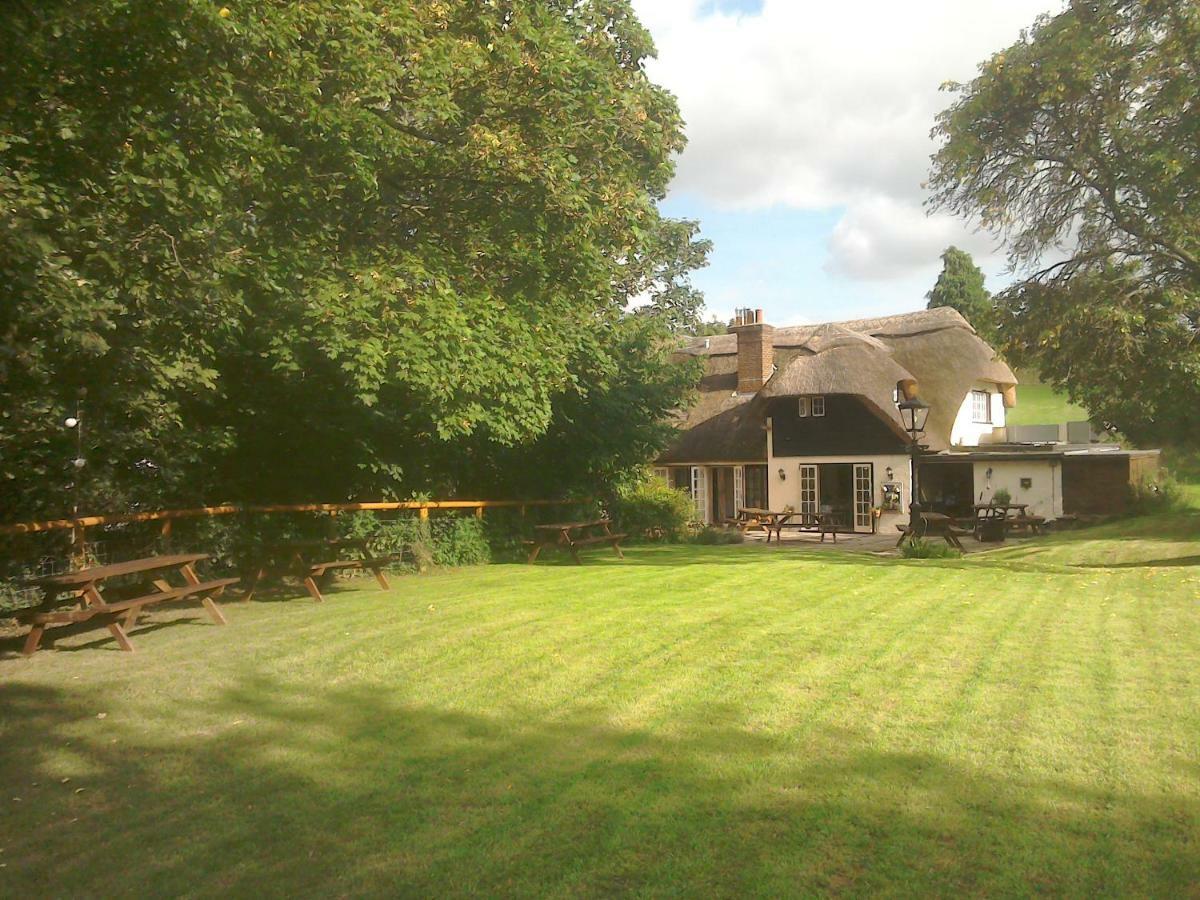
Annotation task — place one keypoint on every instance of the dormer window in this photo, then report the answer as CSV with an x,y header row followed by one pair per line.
x,y
810,406
981,407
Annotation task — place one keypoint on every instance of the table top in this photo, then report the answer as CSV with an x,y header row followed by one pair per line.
x,y
1005,506
566,526
754,511
81,577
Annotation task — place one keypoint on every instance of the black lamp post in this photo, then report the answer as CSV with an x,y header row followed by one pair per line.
x,y
913,414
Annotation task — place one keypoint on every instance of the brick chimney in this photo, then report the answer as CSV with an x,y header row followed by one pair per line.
x,y
755,349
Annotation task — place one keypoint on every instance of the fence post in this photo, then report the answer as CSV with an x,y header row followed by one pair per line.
x,y
78,545
479,512
164,536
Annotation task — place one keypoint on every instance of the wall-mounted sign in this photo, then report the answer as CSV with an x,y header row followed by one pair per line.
x,y
891,496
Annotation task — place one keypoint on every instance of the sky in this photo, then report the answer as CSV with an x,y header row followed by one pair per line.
x,y
808,126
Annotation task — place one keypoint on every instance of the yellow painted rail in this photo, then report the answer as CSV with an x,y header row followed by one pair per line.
x,y
169,515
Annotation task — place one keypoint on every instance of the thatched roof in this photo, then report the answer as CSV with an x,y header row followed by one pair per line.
x,y
721,425
858,368
866,357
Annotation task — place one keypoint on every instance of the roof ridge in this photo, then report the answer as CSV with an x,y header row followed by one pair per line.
x,y
913,322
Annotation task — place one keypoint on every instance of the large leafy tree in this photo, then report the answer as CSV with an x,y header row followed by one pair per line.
x,y
319,249
961,286
1079,145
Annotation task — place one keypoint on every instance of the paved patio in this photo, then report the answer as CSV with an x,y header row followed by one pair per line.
x,y
879,544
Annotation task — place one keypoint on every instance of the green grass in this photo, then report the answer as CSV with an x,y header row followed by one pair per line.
x,y
1040,404
694,720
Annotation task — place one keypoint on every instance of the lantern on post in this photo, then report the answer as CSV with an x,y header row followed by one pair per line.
x,y
913,414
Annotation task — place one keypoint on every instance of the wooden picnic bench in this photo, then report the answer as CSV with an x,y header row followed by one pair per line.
x,y
571,536
312,560
820,522
84,588
933,524
1013,517
774,522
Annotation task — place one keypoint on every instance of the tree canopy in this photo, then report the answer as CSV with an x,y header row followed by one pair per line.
x,y
961,287
328,249
1078,144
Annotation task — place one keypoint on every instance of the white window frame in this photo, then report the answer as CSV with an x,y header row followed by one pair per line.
x,y
802,407
984,399
818,405
700,493
864,495
810,489
739,489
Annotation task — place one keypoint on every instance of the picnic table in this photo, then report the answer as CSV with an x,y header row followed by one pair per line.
x,y
1012,515
774,522
570,536
86,589
312,560
933,524
748,517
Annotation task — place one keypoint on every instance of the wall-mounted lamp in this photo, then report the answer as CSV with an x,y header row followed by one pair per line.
x,y
782,474
889,473
989,473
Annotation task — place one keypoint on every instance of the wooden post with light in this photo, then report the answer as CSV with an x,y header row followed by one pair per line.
x,y
913,414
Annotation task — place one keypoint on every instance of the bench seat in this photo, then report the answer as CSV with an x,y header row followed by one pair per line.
x,y
598,539
129,609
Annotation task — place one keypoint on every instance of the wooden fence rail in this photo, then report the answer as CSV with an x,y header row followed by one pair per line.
x,y
79,523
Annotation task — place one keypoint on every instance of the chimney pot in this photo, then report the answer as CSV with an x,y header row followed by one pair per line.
x,y
755,350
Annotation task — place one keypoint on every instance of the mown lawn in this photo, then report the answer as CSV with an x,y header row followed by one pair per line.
x,y
1041,404
701,721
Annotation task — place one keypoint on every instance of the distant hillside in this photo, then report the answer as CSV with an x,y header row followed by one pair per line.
x,y
1040,404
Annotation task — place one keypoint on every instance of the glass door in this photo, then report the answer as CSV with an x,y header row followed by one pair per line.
x,y
864,495
809,494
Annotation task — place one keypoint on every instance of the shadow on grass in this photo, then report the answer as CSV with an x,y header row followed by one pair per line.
x,y
346,790
1167,562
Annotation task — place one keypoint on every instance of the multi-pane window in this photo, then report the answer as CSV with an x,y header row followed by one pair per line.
x,y
981,407
808,489
810,406
756,486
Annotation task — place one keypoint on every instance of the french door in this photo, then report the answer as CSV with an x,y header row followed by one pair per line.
x,y
700,492
810,496
864,495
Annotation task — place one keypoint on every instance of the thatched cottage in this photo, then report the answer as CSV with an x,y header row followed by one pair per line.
x,y
806,417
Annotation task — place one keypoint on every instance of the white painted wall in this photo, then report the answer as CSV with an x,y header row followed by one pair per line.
x,y
967,433
786,491
1044,496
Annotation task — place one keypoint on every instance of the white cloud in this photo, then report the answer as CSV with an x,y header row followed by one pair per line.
x,y
818,105
880,236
